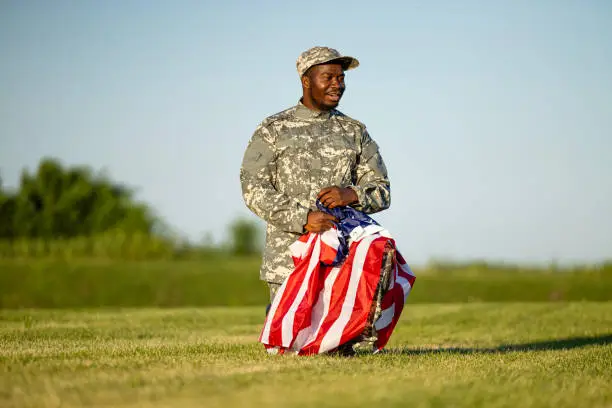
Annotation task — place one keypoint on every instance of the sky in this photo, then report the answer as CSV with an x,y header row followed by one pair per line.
x,y
494,118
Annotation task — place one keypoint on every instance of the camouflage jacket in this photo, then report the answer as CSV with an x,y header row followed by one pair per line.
x,y
290,157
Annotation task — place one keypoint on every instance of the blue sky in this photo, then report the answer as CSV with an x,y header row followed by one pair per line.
x,y
494,118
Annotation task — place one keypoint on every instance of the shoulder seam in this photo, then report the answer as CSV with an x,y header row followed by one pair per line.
x,y
347,118
282,115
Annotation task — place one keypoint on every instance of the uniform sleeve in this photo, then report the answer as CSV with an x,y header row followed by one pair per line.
x,y
372,183
258,191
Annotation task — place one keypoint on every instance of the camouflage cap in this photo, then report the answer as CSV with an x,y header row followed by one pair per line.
x,y
320,55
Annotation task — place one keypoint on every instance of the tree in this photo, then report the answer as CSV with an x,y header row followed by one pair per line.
x,y
68,202
7,210
243,237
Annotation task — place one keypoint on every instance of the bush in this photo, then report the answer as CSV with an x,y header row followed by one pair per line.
x,y
243,237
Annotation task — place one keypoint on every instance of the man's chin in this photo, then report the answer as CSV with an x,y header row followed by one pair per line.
x,y
333,99
331,104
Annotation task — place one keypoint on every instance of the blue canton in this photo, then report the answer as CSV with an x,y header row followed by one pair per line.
x,y
348,219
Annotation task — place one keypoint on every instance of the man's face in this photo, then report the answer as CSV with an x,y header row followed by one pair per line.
x,y
326,85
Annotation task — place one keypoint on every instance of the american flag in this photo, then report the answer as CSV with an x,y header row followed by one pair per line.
x,y
325,301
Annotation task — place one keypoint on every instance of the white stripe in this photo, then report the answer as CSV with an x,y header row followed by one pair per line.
x,y
385,233
333,336
304,334
325,299
330,238
299,249
287,324
360,232
265,337
405,284
385,318
300,338
387,315
407,269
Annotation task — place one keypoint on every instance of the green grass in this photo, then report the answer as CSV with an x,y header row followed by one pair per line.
x,y
235,282
461,355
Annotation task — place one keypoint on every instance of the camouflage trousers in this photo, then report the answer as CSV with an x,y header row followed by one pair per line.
x,y
366,340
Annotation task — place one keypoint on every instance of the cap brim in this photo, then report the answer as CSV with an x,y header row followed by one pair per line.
x,y
346,62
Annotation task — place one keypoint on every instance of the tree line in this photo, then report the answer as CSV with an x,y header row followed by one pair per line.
x,y
62,202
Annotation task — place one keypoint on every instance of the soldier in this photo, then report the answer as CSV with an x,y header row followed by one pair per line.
x,y
309,151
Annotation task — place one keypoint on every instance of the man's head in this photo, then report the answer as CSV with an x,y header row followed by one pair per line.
x,y
321,70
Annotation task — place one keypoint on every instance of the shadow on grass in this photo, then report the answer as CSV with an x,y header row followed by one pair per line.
x,y
558,344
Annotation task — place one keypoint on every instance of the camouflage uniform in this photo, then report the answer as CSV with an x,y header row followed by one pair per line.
x,y
290,158
295,153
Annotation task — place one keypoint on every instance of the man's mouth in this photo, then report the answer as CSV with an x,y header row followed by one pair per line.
x,y
335,96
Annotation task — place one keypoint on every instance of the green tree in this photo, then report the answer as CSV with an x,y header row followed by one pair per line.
x,y
243,237
7,211
69,202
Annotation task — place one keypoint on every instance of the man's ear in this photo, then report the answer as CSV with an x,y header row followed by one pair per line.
x,y
305,81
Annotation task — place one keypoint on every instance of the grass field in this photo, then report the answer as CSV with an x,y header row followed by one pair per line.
x,y
235,282
556,354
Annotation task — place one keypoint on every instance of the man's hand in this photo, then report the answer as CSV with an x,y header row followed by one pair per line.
x,y
319,221
332,197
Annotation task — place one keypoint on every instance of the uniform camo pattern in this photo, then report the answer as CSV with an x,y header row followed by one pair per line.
x,y
319,55
293,155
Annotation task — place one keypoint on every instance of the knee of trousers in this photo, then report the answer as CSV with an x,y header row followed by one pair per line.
x,y
273,287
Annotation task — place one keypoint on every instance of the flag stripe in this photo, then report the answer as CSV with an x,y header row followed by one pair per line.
x,y
320,310
385,317
333,336
365,294
337,292
288,320
319,307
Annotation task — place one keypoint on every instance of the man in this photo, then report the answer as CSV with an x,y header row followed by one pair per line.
x,y
307,152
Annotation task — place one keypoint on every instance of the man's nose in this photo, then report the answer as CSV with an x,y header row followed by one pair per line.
x,y
338,83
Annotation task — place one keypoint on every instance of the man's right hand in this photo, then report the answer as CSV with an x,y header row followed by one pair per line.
x,y
318,221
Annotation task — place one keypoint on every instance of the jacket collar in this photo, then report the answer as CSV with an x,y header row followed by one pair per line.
x,y
303,112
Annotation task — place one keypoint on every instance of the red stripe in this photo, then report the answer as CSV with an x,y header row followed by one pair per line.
x,y
362,302
364,296
328,253
291,289
365,292
335,305
302,314
396,298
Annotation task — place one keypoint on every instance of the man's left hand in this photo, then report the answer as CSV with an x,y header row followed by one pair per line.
x,y
334,196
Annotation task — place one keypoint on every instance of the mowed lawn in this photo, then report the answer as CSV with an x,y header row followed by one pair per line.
x,y
441,355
